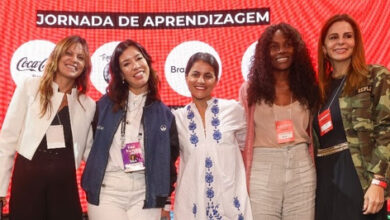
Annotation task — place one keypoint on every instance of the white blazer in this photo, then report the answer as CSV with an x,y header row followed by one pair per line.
x,y
23,128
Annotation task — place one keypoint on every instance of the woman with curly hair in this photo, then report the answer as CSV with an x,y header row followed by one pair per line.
x,y
352,129
278,98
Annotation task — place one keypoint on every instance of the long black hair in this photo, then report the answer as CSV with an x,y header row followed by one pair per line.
x,y
117,90
302,77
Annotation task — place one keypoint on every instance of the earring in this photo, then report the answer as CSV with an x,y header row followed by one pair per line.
x,y
123,81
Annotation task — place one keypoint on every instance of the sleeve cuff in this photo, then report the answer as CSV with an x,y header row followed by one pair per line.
x,y
381,168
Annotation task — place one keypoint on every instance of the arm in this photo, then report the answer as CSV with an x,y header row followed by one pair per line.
x,y
174,153
95,120
174,141
380,157
242,96
379,164
10,134
241,131
88,144
91,134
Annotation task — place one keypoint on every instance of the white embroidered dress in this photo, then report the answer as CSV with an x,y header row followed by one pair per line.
x,y
211,180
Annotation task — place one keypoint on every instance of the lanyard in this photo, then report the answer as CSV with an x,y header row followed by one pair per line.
x,y
335,94
58,117
123,125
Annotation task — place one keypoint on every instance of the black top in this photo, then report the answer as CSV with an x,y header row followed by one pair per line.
x,y
61,118
337,134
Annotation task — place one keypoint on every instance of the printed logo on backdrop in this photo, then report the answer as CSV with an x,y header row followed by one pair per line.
x,y
246,62
30,59
176,63
100,75
110,20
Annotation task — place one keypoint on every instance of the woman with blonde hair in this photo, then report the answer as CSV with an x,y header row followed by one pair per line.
x,y
352,128
48,126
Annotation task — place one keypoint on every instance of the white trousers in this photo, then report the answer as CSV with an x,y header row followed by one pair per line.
x,y
122,197
282,183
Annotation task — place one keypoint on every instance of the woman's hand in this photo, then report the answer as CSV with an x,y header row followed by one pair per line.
x,y
4,202
373,199
165,215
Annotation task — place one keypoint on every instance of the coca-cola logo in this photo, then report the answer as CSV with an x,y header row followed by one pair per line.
x,y
100,75
29,59
25,64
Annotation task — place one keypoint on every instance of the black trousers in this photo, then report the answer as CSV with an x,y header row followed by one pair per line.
x,y
339,192
45,188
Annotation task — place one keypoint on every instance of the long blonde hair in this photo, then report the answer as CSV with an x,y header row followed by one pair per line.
x,y
45,87
358,70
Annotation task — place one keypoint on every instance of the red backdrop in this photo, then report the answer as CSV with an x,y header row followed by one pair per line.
x,y
18,25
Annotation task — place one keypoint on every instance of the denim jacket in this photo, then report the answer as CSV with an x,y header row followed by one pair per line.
x,y
161,151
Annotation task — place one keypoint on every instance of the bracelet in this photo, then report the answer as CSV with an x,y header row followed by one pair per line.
x,y
380,178
380,183
167,207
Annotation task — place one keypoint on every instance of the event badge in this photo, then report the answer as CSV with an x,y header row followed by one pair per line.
x,y
55,137
284,131
132,157
325,122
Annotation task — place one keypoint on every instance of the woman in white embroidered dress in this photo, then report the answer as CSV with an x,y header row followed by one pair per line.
x,y
211,182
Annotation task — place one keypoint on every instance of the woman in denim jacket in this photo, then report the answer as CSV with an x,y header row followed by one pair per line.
x,y
130,170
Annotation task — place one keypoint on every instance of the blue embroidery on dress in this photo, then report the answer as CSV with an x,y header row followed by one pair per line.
x,y
237,204
215,122
217,135
211,209
192,126
208,162
194,139
215,108
209,177
194,210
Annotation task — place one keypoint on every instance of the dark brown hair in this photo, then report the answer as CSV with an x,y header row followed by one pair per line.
x,y
358,69
117,90
205,57
302,78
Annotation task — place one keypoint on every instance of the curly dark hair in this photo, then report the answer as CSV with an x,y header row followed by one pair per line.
x,y
119,91
302,78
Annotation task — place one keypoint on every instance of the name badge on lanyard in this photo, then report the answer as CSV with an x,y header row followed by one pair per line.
x,y
132,157
325,122
55,137
284,131
325,117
